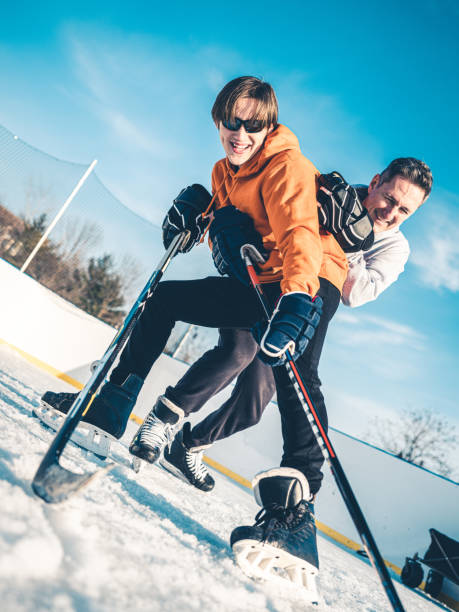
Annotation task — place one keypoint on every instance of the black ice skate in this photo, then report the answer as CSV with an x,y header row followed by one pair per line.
x,y
186,463
157,430
105,420
282,543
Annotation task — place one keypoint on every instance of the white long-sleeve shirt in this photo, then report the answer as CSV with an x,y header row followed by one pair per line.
x,y
371,272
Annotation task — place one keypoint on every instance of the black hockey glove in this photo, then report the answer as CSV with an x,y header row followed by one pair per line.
x,y
229,231
342,214
290,327
186,214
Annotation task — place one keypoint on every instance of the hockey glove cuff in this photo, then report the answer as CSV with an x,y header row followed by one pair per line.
x,y
291,326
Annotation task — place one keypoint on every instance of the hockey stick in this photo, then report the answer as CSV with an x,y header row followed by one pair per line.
x,y
52,482
250,256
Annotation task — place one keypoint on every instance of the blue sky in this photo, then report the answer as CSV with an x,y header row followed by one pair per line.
x,y
360,83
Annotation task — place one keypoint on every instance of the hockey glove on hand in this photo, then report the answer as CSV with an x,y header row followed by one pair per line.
x,y
229,231
342,214
186,214
291,326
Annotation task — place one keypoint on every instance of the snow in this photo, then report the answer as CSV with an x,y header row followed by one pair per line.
x,y
142,541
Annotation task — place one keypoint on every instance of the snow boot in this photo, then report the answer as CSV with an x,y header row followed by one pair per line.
x,y
106,418
281,545
157,430
185,462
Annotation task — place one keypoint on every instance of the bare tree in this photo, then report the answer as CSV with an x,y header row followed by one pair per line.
x,y
77,237
421,436
132,276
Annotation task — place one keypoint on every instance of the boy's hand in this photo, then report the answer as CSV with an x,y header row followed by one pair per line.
x,y
186,214
291,326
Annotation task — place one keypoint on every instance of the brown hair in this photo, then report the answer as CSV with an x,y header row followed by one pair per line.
x,y
414,170
246,87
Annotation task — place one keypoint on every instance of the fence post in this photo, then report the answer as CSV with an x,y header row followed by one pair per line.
x,y
182,340
58,216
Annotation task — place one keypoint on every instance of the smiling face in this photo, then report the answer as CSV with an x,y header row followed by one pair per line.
x,y
392,202
240,146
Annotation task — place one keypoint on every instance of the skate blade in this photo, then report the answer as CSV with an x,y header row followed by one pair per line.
x,y
87,436
136,464
266,562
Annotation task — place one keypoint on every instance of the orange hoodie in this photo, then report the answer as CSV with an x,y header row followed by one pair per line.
x,y
277,188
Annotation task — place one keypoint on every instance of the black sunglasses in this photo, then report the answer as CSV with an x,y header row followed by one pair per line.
x,y
251,126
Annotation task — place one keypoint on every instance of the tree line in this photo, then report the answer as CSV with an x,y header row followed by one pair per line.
x,y
92,283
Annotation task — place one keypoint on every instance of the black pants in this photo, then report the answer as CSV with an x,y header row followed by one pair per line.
x,y
226,303
234,355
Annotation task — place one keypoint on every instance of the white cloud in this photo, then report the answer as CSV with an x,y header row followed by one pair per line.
x,y
347,316
436,254
370,330
127,130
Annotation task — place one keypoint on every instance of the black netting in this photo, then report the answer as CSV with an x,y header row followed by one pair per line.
x,y
100,253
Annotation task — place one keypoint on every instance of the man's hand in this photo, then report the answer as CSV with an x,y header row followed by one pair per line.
x,y
291,326
186,214
229,231
342,214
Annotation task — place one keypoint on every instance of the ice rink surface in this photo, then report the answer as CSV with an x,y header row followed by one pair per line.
x,y
144,541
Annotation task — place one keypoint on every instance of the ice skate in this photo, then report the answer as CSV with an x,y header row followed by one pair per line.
x,y
106,419
157,430
186,463
281,545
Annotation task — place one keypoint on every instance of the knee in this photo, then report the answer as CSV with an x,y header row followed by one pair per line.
x,y
162,298
239,347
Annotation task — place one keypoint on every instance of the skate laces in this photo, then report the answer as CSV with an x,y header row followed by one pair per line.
x,y
155,432
275,516
195,465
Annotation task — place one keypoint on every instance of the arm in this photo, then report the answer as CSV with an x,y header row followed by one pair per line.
x,y
372,272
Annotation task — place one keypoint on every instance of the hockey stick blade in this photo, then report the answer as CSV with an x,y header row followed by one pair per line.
x,y
55,484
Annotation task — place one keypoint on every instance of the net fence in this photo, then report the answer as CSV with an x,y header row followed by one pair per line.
x,y
100,253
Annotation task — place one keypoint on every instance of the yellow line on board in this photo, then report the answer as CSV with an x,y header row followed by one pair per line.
x,y
224,470
334,535
44,366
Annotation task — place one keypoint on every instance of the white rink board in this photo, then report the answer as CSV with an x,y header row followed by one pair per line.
x,y
400,501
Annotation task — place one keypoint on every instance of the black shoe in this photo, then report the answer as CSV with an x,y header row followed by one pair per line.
x,y
282,542
157,430
186,463
110,409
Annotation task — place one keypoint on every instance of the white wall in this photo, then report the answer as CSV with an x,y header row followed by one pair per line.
x,y
41,323
401,502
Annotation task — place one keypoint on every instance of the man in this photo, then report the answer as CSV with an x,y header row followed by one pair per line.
x,y
391,197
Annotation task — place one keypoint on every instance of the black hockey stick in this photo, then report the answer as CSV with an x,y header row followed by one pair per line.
x,y
250,256
52,482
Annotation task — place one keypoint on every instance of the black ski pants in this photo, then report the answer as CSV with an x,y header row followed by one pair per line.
x,y
227,304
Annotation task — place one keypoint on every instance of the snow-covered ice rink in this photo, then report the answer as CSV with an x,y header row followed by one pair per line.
x,y
138,542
